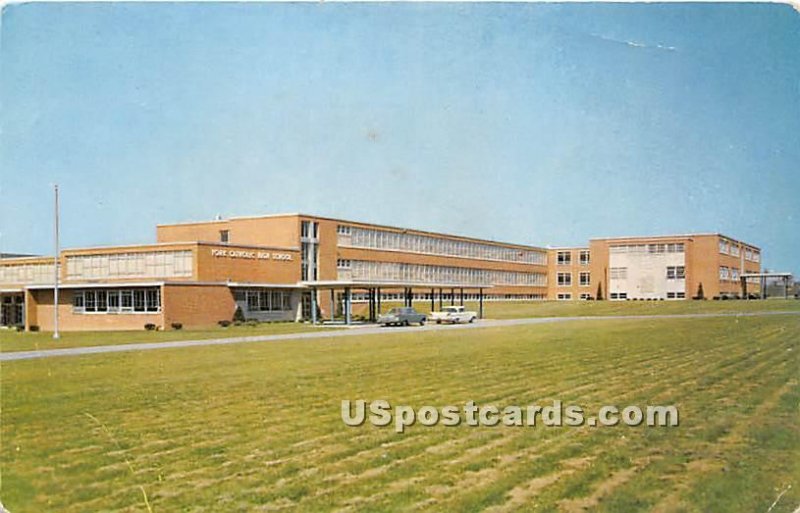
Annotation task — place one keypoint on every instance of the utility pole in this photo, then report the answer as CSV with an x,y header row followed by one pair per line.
x,y
55,266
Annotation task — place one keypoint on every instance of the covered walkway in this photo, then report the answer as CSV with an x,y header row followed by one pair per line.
x,y
374,290
762,282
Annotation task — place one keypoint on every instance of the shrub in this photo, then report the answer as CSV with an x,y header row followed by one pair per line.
x,y
252,322
150,326
238,315
33,327
20,328
177,325
224,324
599,292
700,293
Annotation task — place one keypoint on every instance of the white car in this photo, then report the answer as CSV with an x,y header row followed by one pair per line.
x,y
453,315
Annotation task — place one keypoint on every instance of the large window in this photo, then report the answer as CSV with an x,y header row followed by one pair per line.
x,y
563,258
439,274
585,279
585,257
148,264
140,300
264,300
564,279
417,243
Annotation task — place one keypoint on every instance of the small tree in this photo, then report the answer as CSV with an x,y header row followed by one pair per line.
x,y
599,291
700,293
238,315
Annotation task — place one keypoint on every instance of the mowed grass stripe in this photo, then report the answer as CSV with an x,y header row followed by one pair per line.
x,y
224,446
523,463
448,441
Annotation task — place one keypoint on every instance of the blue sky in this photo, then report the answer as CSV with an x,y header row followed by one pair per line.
x,y
535,123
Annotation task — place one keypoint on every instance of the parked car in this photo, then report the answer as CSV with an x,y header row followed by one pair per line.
x,y
401,317
453,315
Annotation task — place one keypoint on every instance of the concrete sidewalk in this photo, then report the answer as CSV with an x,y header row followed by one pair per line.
x,y
354,331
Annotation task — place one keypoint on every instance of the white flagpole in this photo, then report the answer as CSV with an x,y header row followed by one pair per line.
x,y
55,262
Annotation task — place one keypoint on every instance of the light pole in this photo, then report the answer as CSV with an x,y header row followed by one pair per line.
x,y
55,266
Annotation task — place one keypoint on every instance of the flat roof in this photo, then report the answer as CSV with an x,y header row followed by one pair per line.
x,y
676,236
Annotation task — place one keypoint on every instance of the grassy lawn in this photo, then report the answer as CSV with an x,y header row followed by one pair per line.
x,y
257,426
16,341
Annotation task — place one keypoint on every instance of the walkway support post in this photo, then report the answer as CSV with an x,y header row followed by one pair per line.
x,y
313,306
348,300
433,300
480,303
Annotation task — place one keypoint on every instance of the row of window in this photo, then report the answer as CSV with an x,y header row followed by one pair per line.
x,y
670,295
677,247
117,300
677,272
152,264
415,243
265,300
566,296
732,248
728,273
27,273
565,279
420,273
565,257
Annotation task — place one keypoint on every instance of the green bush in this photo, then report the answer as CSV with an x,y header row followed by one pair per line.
x,y
238,315
177,326
33,327
150,326
224,324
